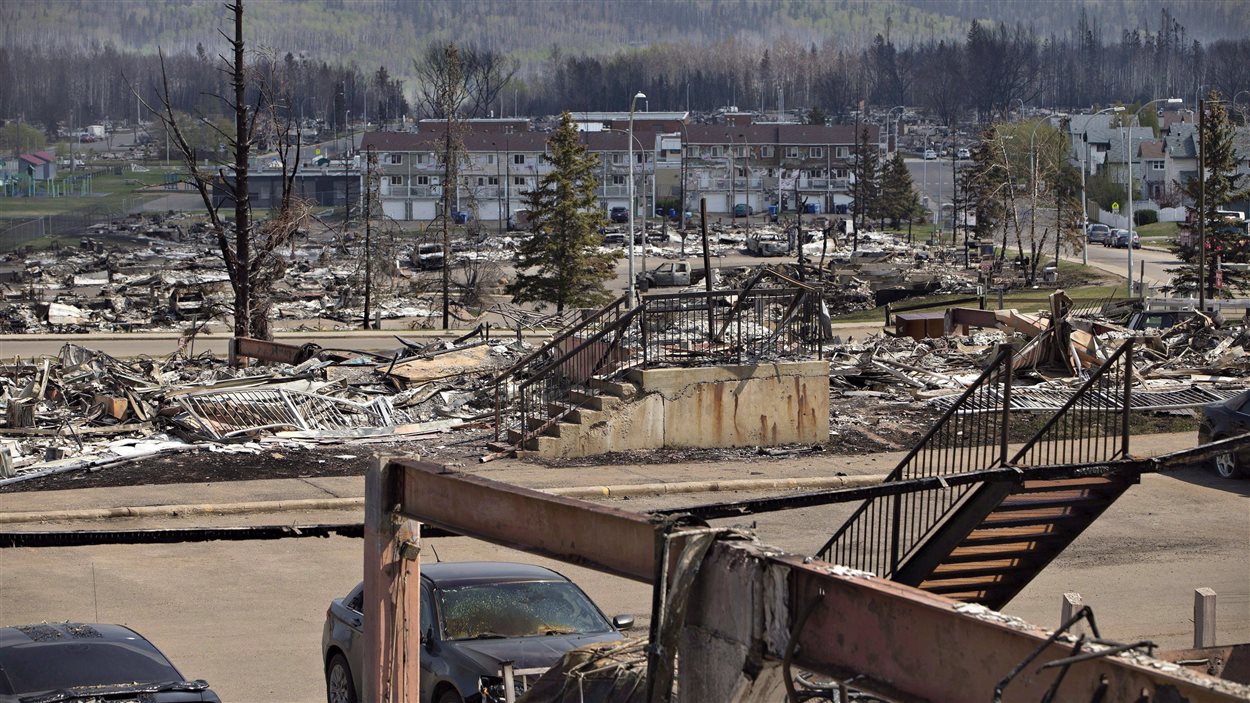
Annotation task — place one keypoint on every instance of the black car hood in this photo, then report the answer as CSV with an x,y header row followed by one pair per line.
x,y
523,652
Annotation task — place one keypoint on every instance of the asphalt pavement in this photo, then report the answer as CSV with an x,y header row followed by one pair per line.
x,y
247,616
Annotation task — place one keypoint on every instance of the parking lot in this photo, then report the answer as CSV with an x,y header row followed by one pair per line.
x,y
247,616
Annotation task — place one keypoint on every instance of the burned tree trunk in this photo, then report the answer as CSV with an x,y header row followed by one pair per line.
x,y
242,205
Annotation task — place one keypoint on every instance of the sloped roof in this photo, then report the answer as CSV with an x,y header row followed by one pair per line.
x,y
1152,149
36,159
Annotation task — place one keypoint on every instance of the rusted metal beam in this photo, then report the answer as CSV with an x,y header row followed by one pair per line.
x,y
901,642
391,627
750,601
573,531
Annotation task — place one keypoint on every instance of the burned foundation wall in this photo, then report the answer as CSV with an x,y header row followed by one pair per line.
x,y
742,406
723,406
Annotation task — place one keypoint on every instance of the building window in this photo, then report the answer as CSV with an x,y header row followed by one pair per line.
x,y
814,173
481,180
423,180
740,151
792,152
692,151
766,152
397,158
816,152
843,152
715,151
518,180
493,180
617,158
742,173
397,180
1158,165
421,158
618,180
518,159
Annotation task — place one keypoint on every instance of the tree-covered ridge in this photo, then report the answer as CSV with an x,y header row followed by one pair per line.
x,y
370,31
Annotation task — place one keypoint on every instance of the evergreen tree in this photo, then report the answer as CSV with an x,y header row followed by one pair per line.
x,y
1226,241
817,116
561,263
867,173
898,192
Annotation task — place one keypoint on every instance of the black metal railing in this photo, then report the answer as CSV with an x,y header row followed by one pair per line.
x,y
885,531
702,328
591,323
1093,425
745,326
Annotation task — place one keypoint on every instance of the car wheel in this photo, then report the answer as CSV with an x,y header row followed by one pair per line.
x,y
450,696
339,685
1227,465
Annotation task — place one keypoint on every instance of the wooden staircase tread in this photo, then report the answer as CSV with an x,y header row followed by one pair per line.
x,y
947,572
1023,501
962,555
1066,484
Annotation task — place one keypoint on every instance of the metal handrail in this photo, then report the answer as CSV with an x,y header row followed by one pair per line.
x,y
1003,358
565,334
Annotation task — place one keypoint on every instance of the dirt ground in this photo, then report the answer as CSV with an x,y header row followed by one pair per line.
x,y
858,425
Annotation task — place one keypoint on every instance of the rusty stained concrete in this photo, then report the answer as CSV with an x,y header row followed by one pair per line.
x,y
766,404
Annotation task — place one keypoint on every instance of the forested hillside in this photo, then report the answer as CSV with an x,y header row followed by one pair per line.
x,y
373,32
72,61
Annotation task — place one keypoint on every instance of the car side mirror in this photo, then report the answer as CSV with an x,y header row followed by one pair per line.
x,y
427,639
623,622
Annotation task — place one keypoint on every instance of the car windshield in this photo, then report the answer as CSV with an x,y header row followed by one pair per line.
x,y
517,609
35,668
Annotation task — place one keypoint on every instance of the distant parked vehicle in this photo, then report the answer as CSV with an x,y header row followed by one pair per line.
x,y
1097,233
1223,420
929,154
963,154
1120,239
89,662
619,215
743,210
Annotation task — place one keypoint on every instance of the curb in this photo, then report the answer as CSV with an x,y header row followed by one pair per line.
x,y
357,503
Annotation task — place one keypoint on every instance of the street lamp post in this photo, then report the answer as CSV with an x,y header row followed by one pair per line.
x,y
632,104
903,108
747,182
1128,157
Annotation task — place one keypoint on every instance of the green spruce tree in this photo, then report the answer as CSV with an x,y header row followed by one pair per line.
x,y
867,172
898,192
1225,240
561,263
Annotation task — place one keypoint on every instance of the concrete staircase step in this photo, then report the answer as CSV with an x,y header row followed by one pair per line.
x,y
594,402
616,389
584,416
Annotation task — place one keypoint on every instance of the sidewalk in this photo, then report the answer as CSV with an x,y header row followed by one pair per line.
x,y
811,471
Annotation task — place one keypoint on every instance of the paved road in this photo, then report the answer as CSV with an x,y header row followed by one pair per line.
x,y
247,616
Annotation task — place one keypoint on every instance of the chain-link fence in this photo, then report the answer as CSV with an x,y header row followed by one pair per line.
x,y
16,232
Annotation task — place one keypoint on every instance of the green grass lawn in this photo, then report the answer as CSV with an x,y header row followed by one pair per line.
x,y
1158,232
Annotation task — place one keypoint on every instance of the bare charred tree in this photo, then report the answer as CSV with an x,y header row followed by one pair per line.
x,y
480,73
251,257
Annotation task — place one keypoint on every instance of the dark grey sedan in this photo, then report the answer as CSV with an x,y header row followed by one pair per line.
x,y
1223,420
88,662
475,616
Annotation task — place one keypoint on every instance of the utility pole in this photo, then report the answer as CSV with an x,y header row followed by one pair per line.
x,y
371,162
1202,207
